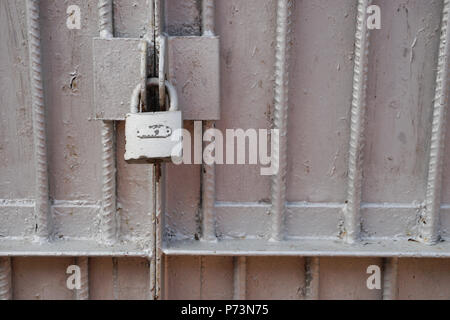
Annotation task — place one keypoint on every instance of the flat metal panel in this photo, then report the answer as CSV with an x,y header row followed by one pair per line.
x,y
400,99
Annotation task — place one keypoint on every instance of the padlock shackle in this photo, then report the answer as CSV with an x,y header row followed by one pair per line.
x,y
173,96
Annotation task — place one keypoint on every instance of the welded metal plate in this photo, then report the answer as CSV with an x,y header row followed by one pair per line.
x,y
117,64
193,67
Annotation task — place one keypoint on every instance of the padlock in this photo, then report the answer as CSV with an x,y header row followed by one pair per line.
x,y
152,136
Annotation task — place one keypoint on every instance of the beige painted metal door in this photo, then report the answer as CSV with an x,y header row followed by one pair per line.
x,y
363,154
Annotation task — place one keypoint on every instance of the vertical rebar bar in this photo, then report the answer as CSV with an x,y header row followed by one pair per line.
x,y
115,278
312,274
208,21
208,170
352,215
105,10
42,206
240,278
152,258
83,292
158,229
108,221
153,39
158,23
279,152
108,217
390,276
143,75
430,220
5,279
208,195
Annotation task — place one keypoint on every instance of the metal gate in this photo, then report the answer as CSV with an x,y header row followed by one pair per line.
x,y
363,175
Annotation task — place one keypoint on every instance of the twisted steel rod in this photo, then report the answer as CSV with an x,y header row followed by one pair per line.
x,y
83,292
108,221
240,278
390,276
42,206
208,23
208,170
208,195
279,152
158,225
108,217
105,11
312,278
429,221
352,216
5,279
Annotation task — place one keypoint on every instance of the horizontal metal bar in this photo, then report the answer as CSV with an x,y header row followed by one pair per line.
x,y
224,204
334,205
57,203
308,248
70,248
320,220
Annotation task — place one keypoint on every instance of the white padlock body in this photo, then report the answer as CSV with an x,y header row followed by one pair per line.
x,y
153,135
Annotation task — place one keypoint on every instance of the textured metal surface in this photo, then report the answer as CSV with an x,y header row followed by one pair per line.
x,y
280,117
352,215
42,228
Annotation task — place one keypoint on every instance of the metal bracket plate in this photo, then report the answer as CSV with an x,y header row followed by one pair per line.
x,y
116,66
194,69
